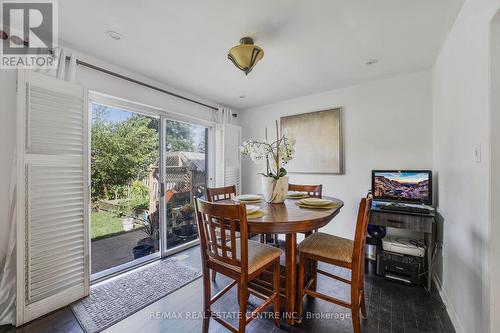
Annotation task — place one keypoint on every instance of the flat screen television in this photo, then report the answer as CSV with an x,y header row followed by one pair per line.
x,y
406,186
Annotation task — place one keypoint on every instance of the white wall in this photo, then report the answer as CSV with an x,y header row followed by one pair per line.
x,y
387,125
494,262
461,104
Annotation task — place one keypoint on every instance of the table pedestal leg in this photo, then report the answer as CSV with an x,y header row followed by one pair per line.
x,y
291,277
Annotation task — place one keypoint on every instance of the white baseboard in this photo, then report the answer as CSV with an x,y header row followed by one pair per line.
x,y
455,319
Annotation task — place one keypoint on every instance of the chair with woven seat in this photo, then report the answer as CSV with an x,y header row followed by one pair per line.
x,y
215,194
338,251
314,191
240,259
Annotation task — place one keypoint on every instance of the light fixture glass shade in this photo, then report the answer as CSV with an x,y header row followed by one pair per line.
x,y
246,55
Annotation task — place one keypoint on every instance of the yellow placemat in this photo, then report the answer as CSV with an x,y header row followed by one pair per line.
x,y
329,206
250,201
256,214
297,197
315,202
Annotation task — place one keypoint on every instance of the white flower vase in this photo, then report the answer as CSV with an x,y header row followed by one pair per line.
x,y
275,191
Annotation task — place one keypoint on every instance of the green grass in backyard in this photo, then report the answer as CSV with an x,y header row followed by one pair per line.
x,y
105,223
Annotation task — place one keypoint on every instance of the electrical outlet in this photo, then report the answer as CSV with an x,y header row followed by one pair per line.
x,y
477,153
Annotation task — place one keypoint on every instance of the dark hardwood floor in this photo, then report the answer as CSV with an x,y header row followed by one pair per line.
x,y
392,307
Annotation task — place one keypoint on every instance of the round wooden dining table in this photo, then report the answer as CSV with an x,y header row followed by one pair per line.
x,y
289,219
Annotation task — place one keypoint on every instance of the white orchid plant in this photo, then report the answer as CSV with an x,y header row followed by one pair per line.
x,y
276,154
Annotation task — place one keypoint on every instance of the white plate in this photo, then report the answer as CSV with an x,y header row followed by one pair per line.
x,y
252,209
316,201
248,197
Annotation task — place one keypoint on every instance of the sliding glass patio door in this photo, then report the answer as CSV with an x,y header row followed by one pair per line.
x,y
125,216
146,167
185,176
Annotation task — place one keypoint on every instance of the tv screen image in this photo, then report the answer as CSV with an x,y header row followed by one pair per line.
x,y
409,186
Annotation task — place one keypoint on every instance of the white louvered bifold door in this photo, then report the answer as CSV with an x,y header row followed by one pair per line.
x,y
219,155
232,157
227,156
53,265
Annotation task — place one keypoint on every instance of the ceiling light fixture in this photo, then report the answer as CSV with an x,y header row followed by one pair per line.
x,y
16,40
246,55
114,35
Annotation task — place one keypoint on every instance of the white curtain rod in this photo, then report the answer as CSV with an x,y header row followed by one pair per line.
x,y
123,77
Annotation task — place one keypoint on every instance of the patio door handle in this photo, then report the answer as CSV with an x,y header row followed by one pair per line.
x,y
162,190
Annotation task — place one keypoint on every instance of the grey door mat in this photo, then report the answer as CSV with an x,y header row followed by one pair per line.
x,y
112,301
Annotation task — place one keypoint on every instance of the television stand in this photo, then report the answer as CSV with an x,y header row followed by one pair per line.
x,y
424,223
405,209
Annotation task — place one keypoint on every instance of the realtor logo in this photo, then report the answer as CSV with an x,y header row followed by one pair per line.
x,y
28,34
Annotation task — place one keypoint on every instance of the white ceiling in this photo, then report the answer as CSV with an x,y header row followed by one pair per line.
x,y
310,45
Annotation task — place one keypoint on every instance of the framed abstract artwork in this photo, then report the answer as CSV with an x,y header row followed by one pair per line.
x,y
319,141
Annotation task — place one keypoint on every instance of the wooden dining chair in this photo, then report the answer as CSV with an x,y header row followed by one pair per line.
x,y
215,194
339,252
240,259
314,191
